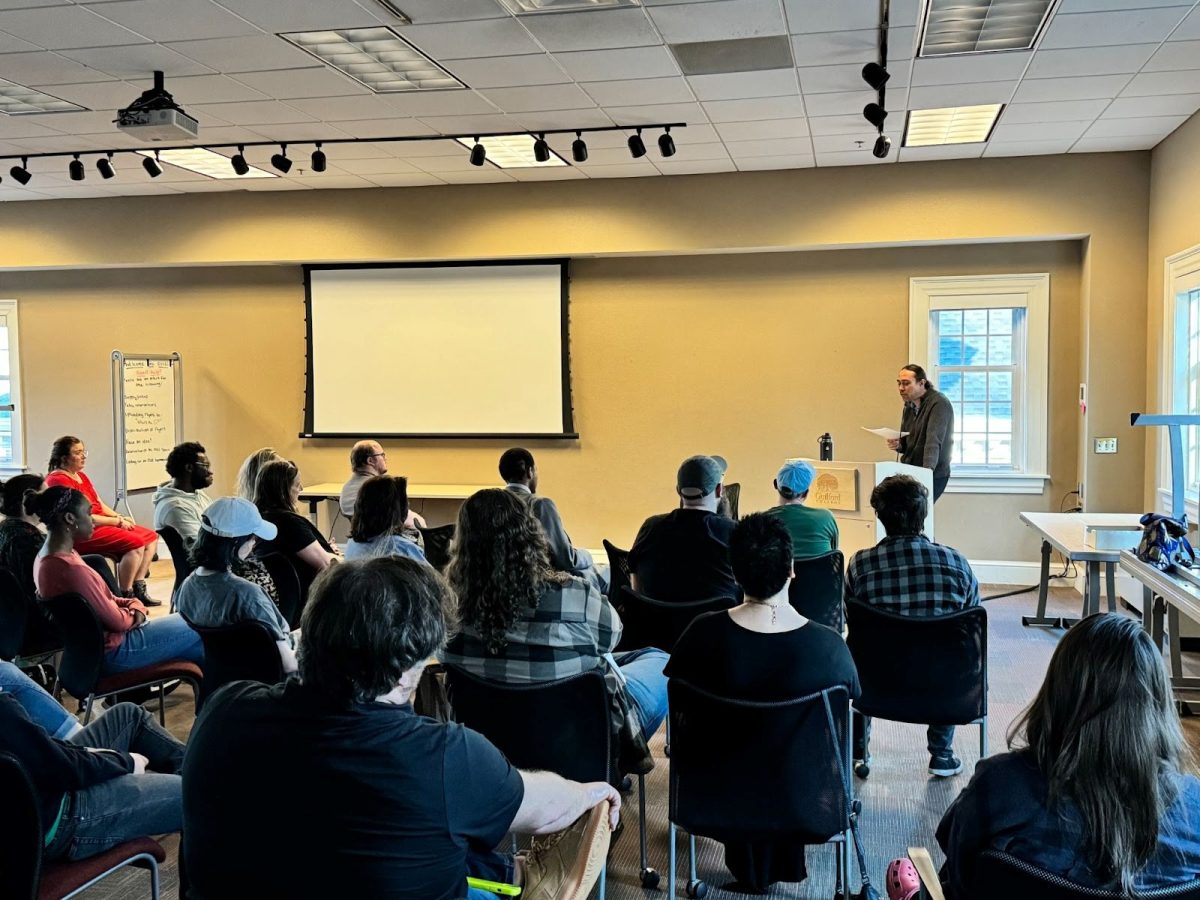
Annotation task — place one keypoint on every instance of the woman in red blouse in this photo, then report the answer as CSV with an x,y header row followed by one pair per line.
x,y
115,535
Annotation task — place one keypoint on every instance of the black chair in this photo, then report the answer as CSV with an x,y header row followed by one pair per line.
x,y
722,788
179,558
999,876
731,494
816,591
618,569
24,876
929,670
245,651
83,659
287,586
657,623
437,545
103,567
558,726
25,632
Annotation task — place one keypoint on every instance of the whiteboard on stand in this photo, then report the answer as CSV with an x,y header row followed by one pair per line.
x,y
147,417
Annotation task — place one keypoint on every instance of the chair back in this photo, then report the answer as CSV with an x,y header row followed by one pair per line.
x,y
999,876
437,545
103,567
14,615
759,771
732,493
559,726
658,623
244,651
287,586
618,568
83,643
930,670
179,556
816,591
20,832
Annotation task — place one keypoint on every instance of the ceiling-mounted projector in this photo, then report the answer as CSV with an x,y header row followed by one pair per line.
x,y
155,116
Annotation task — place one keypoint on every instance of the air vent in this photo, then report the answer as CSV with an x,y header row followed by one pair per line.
x,y
528,7
742,55
954,27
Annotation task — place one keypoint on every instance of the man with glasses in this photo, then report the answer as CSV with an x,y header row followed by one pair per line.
x,y
367,459
180,502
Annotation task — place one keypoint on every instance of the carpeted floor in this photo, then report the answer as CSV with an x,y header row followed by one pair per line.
x,y
902,804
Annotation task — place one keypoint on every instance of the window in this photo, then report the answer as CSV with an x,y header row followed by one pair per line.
x,y
984,343
12,450
1182,372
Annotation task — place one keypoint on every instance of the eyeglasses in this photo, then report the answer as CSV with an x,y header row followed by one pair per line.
x,y
82,453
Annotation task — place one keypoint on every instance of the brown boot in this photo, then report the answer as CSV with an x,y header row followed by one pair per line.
x,y
566,865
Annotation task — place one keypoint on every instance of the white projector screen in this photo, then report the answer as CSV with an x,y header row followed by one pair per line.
x,y
458,350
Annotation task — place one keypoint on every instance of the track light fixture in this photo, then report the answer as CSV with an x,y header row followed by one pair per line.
x,y
280,160
875,114
578,148
478,153
153,169
319,162
238,161
666,143
541,150
76,169
637,147
20,173
883,144
105,167
875,75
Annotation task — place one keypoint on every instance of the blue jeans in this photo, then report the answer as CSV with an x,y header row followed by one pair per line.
x,y
490,867
128,806
646,685
160,640
43,709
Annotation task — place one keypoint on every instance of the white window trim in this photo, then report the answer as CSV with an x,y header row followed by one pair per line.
x,y
1181,272
9,309
1031,291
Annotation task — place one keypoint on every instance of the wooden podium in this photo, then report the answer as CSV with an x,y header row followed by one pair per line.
x,y
844,488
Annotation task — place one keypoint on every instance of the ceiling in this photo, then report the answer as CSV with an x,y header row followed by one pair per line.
x,y
1107,75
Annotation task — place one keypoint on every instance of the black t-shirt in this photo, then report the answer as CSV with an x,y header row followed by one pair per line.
x,y
295,533
289,795
684,555
720,656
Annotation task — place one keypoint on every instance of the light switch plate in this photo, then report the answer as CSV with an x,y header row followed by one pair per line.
x,y
1106,445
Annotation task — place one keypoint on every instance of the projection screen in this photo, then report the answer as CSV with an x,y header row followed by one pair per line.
x,y
438,351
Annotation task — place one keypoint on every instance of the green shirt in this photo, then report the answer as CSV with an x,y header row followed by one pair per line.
x,y
814,531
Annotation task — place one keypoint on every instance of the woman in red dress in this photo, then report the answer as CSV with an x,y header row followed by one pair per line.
x,y
116,536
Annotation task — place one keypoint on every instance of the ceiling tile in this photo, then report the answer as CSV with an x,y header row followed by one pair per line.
x,y
729,20
1077,6
46,68
98,95
1114,144
1111,29
63,27
686,150
567,118
417,179
1100,87
844,143
628,170
76,122
617,65
543,97
25,4
639,92
697,167
804,16
1039,131
752,110
840,103
848,124
252,112
385,165
383,127
290,84
469,124
740,85
466,40
1159,126
1089,61
659,112
1175,55
1055,111
762,163
969,69
192,20
1189,28
863,158
508,71
599,30
327,181
1027,148
428,12
549,173
244,54
10,44
844,78
740,150
950,151
599,156
18,127
136,63
1171,105
839,48
440,103
1154,84
771,128
337,109
275,17
936,96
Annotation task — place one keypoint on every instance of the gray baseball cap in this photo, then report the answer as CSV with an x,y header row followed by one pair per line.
x,y
699,476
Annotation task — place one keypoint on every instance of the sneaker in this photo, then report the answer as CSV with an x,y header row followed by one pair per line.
x,y
902,880
945,765
566,865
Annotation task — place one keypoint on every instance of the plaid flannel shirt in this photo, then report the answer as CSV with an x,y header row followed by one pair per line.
x,y
913,576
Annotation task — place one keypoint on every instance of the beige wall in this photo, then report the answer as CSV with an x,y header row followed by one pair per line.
x,y
637,381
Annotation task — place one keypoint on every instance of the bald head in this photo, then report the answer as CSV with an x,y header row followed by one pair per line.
x,y
368,458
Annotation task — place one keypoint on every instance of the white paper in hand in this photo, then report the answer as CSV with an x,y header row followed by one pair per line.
x,y
888,434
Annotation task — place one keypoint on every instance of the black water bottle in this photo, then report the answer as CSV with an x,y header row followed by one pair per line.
x,y
825,442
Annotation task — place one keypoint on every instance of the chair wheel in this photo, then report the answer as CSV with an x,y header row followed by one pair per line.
x,y
862,770
650,879
667,750
696,889
626,785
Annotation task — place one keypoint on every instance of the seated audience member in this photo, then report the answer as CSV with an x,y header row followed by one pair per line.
x,y
367,459
524,622
684,554
276,491
909,574
814,531
379,516
20,537
213,596
114,535
131,640
247,475
765,651
113,780
180,502
39,706
341,790
1095,790
521,478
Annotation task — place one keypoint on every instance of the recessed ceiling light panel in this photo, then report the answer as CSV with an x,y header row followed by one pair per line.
x,y
204,162
513,151
524,7
376,57
982,26
951,125
18,100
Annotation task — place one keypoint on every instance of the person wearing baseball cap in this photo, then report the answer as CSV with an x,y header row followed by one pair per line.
x,y
814,531
213,596
684,554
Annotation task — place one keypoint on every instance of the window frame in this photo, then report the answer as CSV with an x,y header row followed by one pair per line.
x,y
1181,275
1031,382
9,309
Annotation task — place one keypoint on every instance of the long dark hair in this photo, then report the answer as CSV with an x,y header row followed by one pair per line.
x,y
15,490
381,508
273,487
918,373
499,563
1104,731
60,450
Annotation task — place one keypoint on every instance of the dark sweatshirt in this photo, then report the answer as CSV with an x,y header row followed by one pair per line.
x,y
930,428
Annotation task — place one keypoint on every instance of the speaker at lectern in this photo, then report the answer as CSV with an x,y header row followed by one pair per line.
x,y
844,488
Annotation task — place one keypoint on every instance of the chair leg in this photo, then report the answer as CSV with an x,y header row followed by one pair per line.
x,y
692,857
642,822
87,708
162,708
154,880
671,861
603,881
983,740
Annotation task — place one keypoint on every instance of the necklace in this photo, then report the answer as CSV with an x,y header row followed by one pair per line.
x,y
774,607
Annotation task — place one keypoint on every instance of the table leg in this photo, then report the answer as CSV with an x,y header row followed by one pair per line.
x,y
1040,620
1176,654
1156,629
1091,594
1110,579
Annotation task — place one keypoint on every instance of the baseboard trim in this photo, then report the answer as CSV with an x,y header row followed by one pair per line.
x,y
1005,571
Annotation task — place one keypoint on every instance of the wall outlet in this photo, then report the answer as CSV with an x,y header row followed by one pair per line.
x,y
1106,445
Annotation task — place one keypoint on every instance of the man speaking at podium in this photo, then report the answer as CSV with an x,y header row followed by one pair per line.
x,y
928,419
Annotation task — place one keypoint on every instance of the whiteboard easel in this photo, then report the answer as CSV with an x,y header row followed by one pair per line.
x,y
147,417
